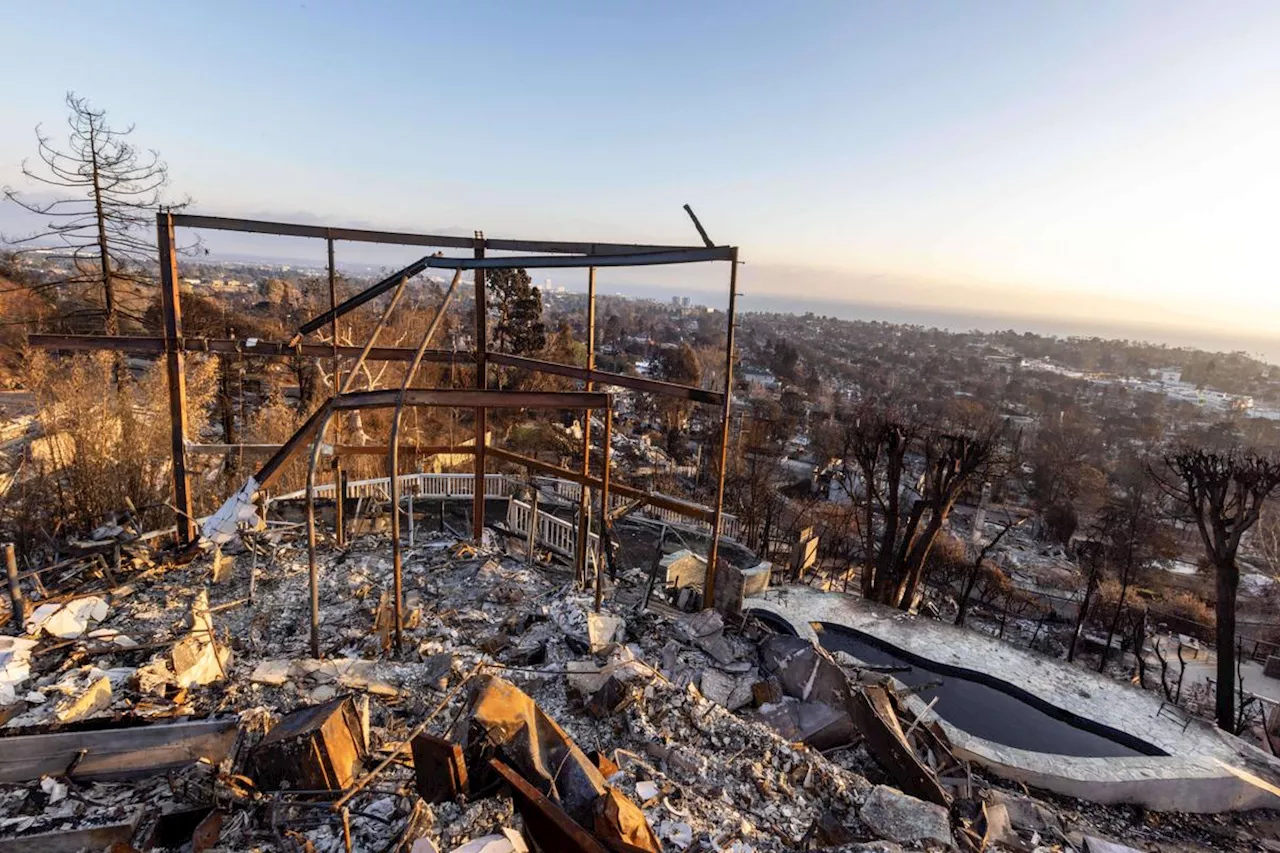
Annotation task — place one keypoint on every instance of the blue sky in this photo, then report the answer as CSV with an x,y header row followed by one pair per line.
x,y
1100,160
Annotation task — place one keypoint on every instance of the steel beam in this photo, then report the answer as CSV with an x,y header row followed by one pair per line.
x,y
280,349
336,372
603,541
584,500
469,398
713,551
261,349
482,383
402,238
171,308
591,375
627,259
397,278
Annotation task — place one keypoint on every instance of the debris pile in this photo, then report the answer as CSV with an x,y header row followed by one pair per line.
x,y
169,710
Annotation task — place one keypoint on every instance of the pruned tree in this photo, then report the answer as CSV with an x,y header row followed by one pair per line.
x,y
106,192
1223,493
518,305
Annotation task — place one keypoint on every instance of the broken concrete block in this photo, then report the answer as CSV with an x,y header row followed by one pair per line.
x,y
1025,813
705,630
272,672
68,620
198,661
154,677
727,690
756,579
583,678
814,723
1271,668
112,637
730,589
804,671
683,569
891,814
508,842
315,748
94,698
15,666
223,566
603,629
1093,844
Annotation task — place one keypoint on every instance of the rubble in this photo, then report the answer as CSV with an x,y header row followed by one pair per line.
x,y
652,729
898,817
67,620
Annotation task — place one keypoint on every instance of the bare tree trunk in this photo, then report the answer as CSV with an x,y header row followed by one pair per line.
x,y
1090,588
1115,621
1227,587
108,290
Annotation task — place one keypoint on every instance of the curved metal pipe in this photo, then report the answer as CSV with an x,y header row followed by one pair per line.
x,y
312,570
393,449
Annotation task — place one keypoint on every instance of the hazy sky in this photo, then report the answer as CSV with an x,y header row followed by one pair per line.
x,y
1075,159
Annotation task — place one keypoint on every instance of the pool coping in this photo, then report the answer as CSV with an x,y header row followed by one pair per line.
x,y
1205,771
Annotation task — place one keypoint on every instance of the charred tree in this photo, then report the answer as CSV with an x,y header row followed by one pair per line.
x,y
102,215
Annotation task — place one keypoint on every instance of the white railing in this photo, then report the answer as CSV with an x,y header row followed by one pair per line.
x,y
501,486
554,533
729,525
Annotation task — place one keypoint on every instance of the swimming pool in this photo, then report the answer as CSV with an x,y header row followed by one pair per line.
x,y
986,707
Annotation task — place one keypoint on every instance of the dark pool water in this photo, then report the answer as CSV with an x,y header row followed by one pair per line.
x,y
990,709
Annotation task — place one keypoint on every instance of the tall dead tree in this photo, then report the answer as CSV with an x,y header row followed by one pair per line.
x,y
1223,493
102,213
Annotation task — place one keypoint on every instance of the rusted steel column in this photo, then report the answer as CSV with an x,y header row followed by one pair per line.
x,y
336,368
393,452
713,553
482,382
313,571
171,308
584,500
604,504
15,586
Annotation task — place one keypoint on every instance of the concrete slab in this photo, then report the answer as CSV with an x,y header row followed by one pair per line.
x,y
1205,771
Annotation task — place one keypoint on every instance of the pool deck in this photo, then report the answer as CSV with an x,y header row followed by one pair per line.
x,y
1206,770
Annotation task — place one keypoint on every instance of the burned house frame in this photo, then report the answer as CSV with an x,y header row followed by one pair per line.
x,y
540,254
